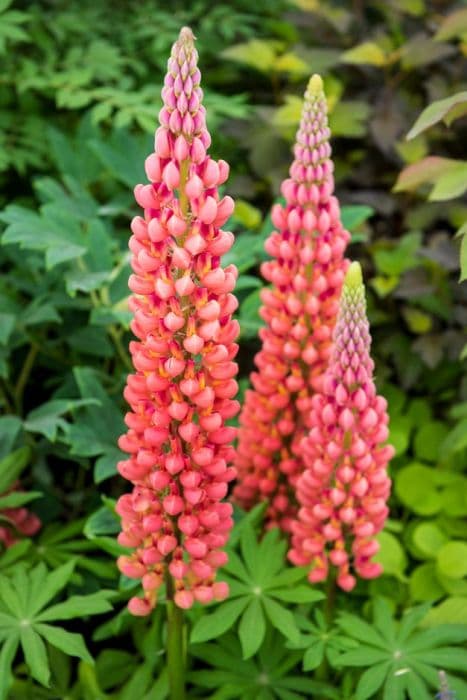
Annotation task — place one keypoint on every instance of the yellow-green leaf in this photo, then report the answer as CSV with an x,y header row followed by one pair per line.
x,y
391,556
417,321
349,118
384,285
258,53
291,63
451,184
453,26
289,113
247,214
413,150
368,53
427,170
447,109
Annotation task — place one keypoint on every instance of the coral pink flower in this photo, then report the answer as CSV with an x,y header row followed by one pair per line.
x,y
300,309
19,521
183,390
345,486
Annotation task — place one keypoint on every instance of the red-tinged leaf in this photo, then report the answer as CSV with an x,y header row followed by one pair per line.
x,y
454,25
427,170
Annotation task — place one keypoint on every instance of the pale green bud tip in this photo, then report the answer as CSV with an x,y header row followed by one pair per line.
x,y
186,36
353,279
315,84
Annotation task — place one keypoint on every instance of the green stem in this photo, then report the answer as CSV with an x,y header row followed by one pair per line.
x,y
330,600
322,672
122,353
175,651
24,376
5,400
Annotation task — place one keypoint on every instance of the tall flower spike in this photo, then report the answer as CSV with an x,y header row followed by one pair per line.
x,y
299,309
345,486
183,390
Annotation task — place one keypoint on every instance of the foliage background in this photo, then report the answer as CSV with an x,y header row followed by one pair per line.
x,y
78,106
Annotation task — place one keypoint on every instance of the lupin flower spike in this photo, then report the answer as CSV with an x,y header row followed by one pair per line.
x,y
183,390
345,486
300,310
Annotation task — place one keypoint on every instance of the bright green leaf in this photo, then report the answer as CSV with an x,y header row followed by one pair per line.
x,y
282,619
35,654
391,556
77,606
371,681
12,466
451,559
438,111
252,628
424,584
69,642
218,622
7,655
428,538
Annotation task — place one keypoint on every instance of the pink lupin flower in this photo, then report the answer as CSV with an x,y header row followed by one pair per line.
x,y
183,390
299,309
345,486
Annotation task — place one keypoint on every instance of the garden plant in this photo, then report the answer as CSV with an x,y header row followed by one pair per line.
x,y
233,440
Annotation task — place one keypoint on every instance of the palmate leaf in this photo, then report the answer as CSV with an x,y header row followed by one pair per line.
x,y
416,688
282,619
218,622
44,585
7,655
354,627
371,681
268,672
394,687
313,656
259,586
404,661
252,629
442,634
23,611
69,642
35,654
78,606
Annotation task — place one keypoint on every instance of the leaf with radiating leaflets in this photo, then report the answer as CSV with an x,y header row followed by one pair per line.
x,y
23,600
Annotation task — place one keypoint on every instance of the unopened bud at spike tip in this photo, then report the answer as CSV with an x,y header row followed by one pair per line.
x,y
186,36
353,278
315,84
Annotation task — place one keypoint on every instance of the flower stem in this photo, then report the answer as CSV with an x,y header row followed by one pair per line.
x,y
330,599
322,672
24,376
175,651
